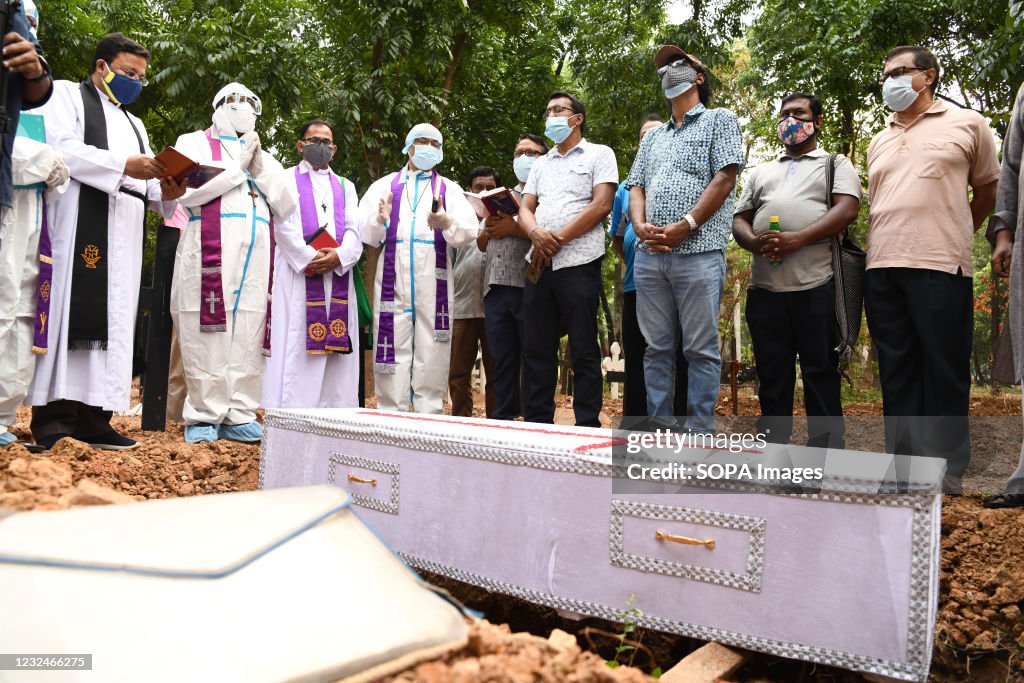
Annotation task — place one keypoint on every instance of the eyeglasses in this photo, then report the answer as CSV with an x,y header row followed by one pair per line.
x,y
254,102
317,141
557,110
130,73
675,64
898,71
528,152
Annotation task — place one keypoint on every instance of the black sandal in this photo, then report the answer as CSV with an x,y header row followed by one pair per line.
x,y
1004,500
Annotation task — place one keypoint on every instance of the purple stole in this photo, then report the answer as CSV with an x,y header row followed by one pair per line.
x,y
384,361
44,285
212,311
323,336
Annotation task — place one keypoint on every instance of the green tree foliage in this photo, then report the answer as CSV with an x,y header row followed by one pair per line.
x,y
482,69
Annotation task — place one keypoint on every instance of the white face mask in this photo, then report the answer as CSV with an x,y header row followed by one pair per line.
x,y
241,116
898,93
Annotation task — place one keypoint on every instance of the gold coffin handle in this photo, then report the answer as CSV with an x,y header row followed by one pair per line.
x,y
359,480
685,540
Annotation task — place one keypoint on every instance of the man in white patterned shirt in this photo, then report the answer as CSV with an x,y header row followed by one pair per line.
x,y
567,195
681,205
506,245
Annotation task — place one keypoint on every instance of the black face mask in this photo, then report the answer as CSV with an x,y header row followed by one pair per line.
x,y
318,155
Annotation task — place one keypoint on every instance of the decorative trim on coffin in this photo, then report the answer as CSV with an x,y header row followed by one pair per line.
x,y
916,669
540,456
750,580
919,618
391,506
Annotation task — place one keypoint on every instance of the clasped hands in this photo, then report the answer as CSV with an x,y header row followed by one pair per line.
x,y
661,238
325,261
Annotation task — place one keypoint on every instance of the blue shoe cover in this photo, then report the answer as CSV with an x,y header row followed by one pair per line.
x,y
6,438
199,433
250,432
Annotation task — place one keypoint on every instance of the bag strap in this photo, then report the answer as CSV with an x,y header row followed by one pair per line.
x,y
830,183
830,179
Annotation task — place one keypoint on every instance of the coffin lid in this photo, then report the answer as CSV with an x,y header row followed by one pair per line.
x,y
200,537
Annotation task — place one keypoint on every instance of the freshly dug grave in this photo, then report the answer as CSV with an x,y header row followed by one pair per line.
x,y
979,632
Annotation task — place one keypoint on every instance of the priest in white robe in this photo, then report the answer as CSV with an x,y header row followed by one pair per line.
x,y
314,341
24,296
414,214
220,294
97,235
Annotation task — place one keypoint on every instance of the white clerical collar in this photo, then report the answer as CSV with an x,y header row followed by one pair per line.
x,y
306,167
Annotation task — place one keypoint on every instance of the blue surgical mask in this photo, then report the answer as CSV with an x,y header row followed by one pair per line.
x,y
426,157
558,129
123,89
898,93
522,165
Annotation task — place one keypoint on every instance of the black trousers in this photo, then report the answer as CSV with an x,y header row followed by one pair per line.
x,y
922,323
634,403
563,299
69,417
503,325
785,326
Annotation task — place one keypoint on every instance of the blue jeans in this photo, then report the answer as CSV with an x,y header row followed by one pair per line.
x,y
678,295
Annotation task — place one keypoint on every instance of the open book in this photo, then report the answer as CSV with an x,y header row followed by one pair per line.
x,y
180,166
491,202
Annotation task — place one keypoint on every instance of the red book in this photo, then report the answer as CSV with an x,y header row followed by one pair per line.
x,y
321,239
179,166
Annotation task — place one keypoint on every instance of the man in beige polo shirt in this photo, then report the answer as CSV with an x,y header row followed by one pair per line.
x,y
919,291
791,302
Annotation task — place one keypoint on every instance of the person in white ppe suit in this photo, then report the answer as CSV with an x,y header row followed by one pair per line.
x,y
222,269
24,297
414,214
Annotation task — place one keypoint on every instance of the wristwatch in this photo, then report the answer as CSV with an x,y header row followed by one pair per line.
x,y
692,221
46,71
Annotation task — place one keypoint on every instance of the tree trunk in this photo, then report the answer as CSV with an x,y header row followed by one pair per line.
x,y
609,322
847,134
458,49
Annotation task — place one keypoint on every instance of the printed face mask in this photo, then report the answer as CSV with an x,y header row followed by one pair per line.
x,y
426,157
678,79
794,131
318,155
898,93
522,165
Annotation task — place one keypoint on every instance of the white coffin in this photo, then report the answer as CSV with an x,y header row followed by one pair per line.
x,y
285,585
842,577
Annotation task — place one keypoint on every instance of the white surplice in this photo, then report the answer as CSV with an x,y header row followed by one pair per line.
x,y
100,378
421,363
224,370
294,378
33,163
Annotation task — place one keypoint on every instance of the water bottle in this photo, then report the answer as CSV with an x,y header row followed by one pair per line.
x,y
773,225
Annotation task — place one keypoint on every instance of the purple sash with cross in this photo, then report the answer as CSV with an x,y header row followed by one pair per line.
x,y
326,328
212,312
384,361
44,284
